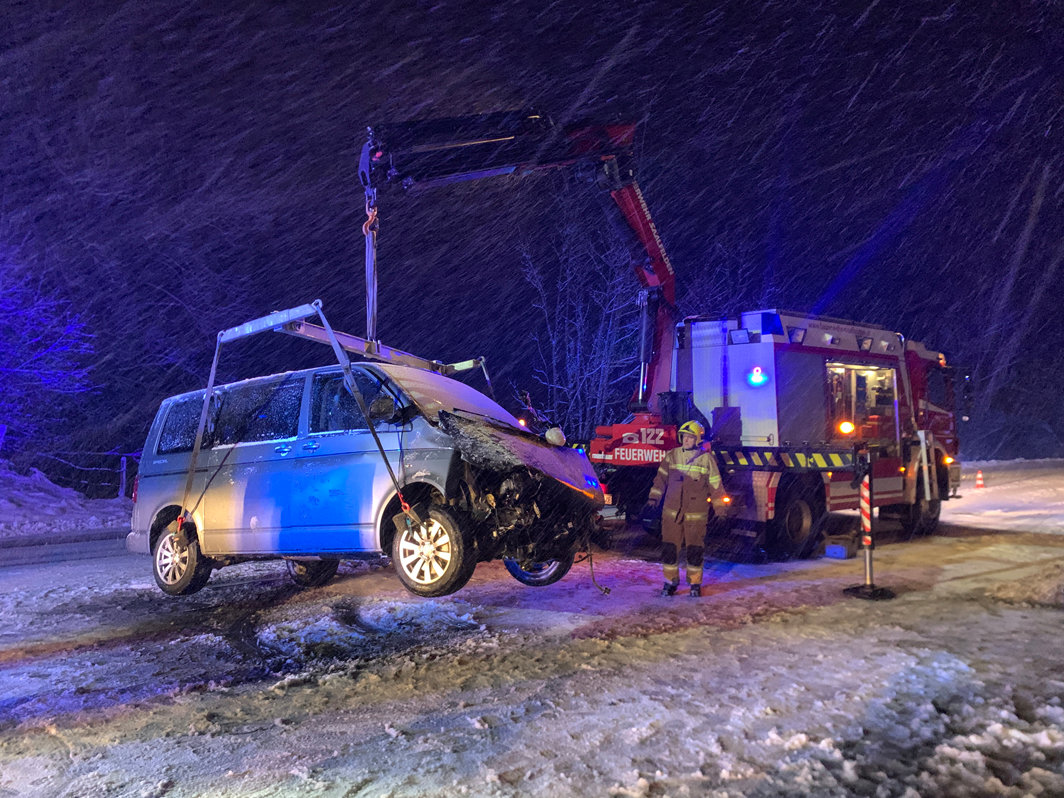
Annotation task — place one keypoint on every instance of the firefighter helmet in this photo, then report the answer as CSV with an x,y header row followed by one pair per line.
x,y
693,428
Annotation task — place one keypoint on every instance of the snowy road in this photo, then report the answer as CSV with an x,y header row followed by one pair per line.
x,y
775,683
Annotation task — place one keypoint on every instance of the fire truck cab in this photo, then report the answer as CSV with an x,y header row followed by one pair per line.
x,y
794,398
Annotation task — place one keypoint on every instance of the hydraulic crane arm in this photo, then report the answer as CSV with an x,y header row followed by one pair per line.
x,y
418,155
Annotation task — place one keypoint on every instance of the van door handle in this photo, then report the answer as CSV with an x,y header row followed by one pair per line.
x,y
312,446
284,448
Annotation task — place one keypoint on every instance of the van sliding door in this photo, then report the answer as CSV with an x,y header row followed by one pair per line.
x,y
249,503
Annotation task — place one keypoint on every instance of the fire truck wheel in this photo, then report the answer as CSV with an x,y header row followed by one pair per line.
x,y
920,518
796,529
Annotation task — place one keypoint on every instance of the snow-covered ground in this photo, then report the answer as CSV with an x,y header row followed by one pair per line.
x,y
775,683
1021,495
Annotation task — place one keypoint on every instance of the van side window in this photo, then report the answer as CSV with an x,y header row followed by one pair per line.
x,y
332,408
259,412
179,429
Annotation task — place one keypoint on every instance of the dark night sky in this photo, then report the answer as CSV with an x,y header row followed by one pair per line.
x,y
172,170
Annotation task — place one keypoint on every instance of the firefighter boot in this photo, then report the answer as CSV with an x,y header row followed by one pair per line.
x,y
672,578
696,591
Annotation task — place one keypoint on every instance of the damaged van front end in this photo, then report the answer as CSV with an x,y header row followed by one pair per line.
x,y
518,497
534,499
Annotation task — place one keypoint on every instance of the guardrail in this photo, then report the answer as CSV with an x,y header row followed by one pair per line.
x,y
98,475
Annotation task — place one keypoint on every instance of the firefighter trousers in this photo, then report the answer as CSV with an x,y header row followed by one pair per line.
x,y
670,556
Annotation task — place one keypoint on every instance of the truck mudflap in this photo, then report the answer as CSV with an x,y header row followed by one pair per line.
x,y
492,446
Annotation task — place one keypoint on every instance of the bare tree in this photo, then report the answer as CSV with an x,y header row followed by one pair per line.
x,y
45,355
586,291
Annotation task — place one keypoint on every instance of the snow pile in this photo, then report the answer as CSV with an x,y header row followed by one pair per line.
x,y
31,505
774,684
934,730
1045,587
1019,495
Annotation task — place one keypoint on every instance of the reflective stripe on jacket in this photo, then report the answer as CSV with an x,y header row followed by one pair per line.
x,y
688,479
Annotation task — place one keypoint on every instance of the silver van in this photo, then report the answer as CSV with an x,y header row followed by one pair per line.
x,y
413,464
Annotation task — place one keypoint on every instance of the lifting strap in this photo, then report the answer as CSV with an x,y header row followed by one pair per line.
x,y
353,389
275,321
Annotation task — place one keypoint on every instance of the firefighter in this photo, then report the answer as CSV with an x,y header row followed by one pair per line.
x,y
689,479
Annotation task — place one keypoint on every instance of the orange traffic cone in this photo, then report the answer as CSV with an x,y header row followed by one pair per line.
x,y
979,480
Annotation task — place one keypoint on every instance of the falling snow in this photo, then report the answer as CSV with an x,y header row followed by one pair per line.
x,y
172,171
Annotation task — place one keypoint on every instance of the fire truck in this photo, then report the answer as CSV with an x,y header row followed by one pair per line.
x,y
797,403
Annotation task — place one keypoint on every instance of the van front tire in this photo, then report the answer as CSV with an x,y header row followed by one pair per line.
x,y
539,573
179,568
435,558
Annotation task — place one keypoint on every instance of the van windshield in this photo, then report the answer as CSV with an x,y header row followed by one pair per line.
x,y
433,392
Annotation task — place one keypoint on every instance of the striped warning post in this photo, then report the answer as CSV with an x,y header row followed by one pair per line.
x,y
866,512
868,590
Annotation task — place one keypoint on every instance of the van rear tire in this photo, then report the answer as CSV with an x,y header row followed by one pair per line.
x,y
180,569
312,573
436,558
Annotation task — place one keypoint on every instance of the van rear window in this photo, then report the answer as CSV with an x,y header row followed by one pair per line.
x,y
179,429
249,412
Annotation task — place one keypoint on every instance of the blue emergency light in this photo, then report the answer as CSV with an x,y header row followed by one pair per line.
x,y
756,378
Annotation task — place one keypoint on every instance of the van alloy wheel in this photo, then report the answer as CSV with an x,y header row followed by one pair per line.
x,y
434,558
425,552
178,566
171,559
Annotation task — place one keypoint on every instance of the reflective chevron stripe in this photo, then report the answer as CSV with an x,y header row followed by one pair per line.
x,y
773,459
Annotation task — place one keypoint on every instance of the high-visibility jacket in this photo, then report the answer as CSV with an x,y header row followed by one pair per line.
x,y
688,479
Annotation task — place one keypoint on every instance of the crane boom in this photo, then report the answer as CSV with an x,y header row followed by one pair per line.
x,y
423,154
427,153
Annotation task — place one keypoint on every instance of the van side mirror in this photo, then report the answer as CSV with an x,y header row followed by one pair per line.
x,y
381,409
555,436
